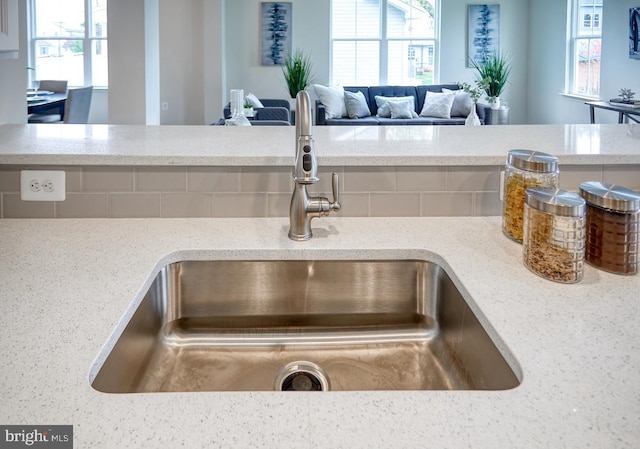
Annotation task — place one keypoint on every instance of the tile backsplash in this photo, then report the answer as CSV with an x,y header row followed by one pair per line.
x,y
150,191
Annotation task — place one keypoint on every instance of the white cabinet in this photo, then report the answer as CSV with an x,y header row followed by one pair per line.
x,y
8,27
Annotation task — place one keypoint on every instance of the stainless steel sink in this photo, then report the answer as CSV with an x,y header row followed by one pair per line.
x,y
304,325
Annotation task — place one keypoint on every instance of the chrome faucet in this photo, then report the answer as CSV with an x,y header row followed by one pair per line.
x,y
303,207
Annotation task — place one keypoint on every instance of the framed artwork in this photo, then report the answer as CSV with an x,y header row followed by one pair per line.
x,y
275,32
483,32
634,33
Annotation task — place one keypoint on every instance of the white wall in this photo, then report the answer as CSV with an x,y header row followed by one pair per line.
x,y
310,32
618,70
13,85
126,62
181,62
152,61
513,42
547,59
13,78
186,75
215,78
546,67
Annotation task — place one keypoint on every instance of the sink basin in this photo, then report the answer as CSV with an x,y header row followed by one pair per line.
x,y
334,325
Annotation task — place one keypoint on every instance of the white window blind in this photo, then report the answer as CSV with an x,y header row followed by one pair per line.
x,y
376,42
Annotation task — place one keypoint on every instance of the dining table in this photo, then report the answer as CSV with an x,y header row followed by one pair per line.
x,y
40,102
625,113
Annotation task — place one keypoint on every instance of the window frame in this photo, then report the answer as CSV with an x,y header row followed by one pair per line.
x,y
87,44
576,21
383,42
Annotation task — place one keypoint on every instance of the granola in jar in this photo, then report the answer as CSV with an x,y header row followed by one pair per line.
x,y
524,169
554,234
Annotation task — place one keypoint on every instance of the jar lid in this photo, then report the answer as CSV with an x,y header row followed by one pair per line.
x,y
532,161
610,196
555,201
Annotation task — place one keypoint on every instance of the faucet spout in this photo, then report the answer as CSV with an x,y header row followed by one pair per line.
x,y
305,170
304,207
303,112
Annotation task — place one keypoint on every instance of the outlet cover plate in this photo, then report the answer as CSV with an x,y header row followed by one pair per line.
x,y
53,178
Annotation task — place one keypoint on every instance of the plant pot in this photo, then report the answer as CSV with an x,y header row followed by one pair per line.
x,y
497,117
248,112
494,102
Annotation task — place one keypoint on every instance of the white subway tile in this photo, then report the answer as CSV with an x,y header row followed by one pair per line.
x,y
161,179
446,204
240,205
134,205
395,204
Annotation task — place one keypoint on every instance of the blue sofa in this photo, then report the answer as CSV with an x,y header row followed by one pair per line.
x,y
418,92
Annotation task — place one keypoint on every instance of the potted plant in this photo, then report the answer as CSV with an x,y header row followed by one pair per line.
x,y
297,72
493,74
248,109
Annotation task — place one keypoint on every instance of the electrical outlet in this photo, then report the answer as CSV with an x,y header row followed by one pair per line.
x,y
42,185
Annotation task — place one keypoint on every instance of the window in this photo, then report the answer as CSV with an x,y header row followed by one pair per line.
x,y
68,41
377,42
588,22
585,43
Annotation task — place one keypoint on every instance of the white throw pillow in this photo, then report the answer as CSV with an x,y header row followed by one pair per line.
x,y
332,99
401,109
437,104
462,102
255,102
383,104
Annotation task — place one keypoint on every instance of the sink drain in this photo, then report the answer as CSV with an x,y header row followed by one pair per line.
x,y
302,376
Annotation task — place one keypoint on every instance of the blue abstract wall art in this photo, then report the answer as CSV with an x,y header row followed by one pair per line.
x,y
275,33
483,32
634,33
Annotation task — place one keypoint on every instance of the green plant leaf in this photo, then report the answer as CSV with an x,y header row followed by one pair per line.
x,y
493,74
297,72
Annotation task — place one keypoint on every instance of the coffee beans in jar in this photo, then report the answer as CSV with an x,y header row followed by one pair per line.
x,y
613,227
554,234
524,169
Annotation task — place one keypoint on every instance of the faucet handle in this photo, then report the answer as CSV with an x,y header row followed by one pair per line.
x,y
335,205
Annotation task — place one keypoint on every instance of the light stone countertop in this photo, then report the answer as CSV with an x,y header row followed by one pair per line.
x,y
50,144
65,284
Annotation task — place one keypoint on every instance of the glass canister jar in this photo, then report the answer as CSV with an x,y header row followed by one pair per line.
x,y
524,169
554,234
613,227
